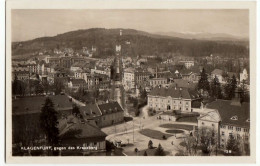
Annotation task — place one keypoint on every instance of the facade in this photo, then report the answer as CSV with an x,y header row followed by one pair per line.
x,y
187,64
192,77
158,81
129,78
171,98
75,84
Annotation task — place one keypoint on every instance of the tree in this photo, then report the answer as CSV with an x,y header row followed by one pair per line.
x,y
150,144
75,109
143,94
230,87
233,146
215,89
58,86
159,151
38,87
145,153
191,145
18,87
207,139
49,122
203,82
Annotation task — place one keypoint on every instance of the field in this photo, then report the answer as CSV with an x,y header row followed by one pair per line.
x,y
177,126
154,134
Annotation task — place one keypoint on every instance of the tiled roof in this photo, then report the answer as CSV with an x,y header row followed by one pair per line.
x,y
90,111
174,92
227,110
85,130
184,84
34,104
109,108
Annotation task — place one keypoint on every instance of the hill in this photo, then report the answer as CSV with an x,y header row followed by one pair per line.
x,y
141,43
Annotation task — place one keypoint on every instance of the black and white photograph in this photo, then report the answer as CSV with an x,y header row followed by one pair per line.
x,y
131,82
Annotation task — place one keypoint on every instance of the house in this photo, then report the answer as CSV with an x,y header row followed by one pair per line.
x,y
106,114
75,84
171,98
228,118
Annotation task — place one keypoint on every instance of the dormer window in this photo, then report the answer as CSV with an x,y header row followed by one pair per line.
x,y
248,120
234,118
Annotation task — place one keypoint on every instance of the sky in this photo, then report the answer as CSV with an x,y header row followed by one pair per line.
x,y
34,23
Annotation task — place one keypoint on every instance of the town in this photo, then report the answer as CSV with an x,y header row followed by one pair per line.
x,y
123,105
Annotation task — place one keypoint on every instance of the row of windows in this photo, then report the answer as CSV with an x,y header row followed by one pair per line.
x,y
231,128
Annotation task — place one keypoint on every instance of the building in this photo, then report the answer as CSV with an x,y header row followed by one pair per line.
x,y
129,78
171,98
27,105
21,75
244,76
229,118
187,64
81,134
106,114
154,82
75,84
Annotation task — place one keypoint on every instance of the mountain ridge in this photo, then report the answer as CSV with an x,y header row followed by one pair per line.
x,y
141,43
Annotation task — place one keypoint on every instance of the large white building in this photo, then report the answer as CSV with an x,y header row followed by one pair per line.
x,y
171,98
228,118
129,78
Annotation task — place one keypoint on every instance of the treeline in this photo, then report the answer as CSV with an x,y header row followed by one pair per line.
x,y
140,43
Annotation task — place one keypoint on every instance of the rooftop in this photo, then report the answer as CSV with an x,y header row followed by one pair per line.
x,y
34,104
227,110
174,92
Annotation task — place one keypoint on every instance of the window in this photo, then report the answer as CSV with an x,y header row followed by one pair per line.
x,y
223,133
246,130
223,126
238,129
234,118
202,123
230,134
230,127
